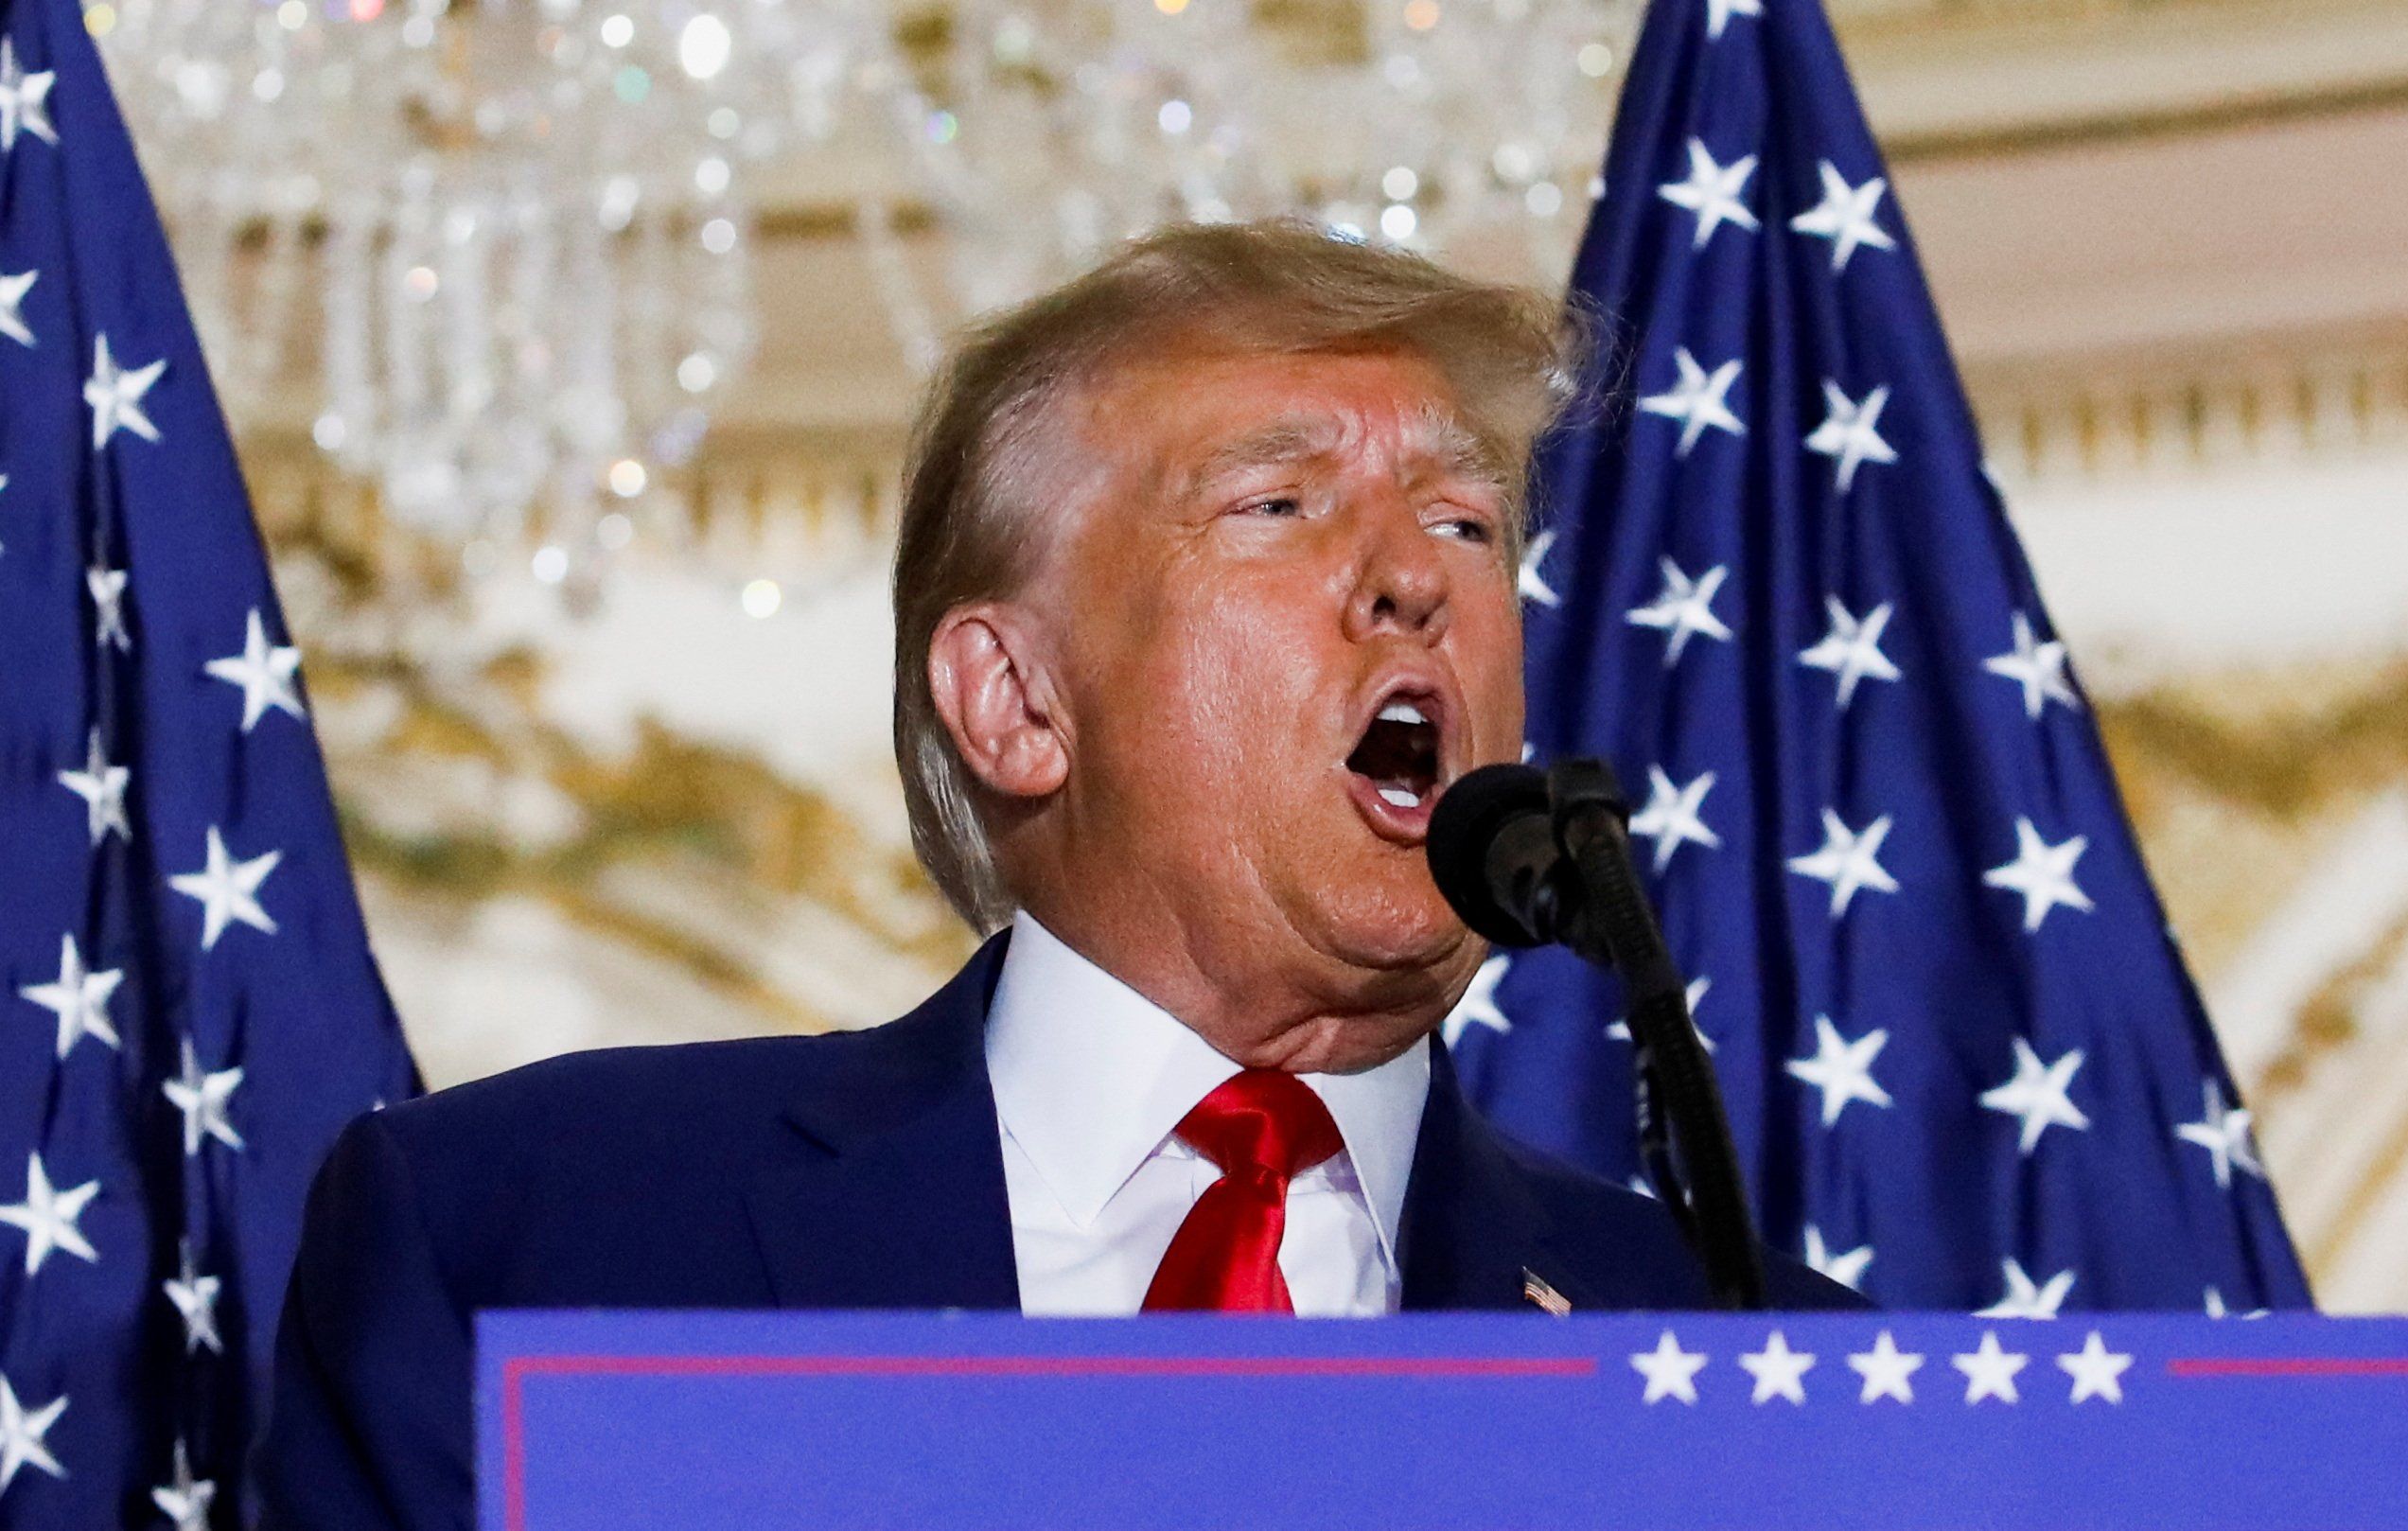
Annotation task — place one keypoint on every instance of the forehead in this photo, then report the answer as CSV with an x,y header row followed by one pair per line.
x,y
1186,419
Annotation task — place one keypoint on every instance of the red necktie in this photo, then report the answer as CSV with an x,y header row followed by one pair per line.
x,y
1263,1128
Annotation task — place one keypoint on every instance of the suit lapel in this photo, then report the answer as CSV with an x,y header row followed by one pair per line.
x,y
890,1193
1473,1228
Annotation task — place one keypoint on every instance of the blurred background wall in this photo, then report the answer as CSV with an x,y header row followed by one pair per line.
x,y
572,347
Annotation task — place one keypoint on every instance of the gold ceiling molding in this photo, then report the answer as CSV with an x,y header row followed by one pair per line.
x,y
1882,20
750,491
2239,112
911,218
1910,148
2255,398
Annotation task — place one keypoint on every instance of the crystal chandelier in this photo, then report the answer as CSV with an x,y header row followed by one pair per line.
x,y
509,237
496,250
1468,129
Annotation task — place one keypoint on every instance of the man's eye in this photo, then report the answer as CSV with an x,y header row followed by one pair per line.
x,y
1275,505
1469,528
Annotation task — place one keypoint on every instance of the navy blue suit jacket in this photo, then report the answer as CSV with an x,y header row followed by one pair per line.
x,y
859,1169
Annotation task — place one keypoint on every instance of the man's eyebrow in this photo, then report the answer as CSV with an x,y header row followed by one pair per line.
x,y
1461,451
1438,434
1288,439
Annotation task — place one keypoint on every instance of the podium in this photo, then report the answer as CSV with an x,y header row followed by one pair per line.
x,y
711,1421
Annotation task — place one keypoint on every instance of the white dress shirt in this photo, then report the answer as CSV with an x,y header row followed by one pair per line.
x,y
1090,1079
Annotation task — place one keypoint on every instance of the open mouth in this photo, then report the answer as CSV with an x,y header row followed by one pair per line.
x,y
1399,754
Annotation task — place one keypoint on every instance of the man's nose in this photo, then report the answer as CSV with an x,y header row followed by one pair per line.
x,y
1401,583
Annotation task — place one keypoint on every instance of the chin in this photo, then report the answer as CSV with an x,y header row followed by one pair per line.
x,y
1362,1043
1399,930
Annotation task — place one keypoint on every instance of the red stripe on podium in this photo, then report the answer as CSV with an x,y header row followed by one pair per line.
x,y
2290,1367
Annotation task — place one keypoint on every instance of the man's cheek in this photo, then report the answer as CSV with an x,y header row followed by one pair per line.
x,y
1258,652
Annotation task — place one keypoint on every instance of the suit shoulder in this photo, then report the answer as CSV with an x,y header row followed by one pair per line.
x,y
674,1080
596,1086
645,1112
720,1082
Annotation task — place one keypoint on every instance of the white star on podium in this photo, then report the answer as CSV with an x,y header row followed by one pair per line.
x,y
1778,1371
1886,1370
1671,1372
2098,1372
1990,1372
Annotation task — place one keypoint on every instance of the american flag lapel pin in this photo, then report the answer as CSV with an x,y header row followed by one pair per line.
x,y
1536,1292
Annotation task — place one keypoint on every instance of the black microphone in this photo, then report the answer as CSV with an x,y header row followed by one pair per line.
x,y
1531,858
1492,850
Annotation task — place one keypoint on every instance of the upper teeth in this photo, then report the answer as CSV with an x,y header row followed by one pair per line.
x,y
1401,712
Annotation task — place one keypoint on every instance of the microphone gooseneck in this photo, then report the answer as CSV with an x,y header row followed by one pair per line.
x,y
1530,858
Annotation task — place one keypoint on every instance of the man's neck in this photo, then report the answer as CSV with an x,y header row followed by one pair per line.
x,y
1251,1008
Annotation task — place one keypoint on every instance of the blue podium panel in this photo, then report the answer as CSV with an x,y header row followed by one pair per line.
x,y
600,1421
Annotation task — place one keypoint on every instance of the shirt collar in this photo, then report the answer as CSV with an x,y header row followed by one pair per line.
x,y
1090,1077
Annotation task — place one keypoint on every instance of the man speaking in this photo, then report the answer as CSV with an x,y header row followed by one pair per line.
x,y
1206,590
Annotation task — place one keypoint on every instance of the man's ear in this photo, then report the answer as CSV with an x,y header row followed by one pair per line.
x,y
998,701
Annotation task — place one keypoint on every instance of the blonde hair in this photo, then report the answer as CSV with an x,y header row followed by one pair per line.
x,y
986,454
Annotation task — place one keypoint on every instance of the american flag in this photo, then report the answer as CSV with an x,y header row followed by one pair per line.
x,y
189,1011
1776,587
